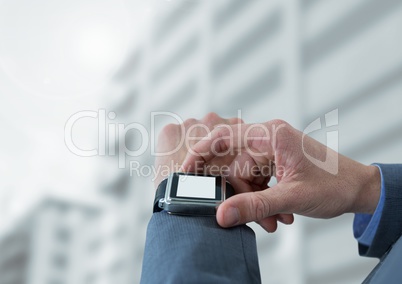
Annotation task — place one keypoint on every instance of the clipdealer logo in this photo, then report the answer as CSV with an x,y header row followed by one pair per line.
x,y
112,134
330,164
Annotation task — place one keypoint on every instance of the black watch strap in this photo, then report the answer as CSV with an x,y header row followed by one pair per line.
x,y
229,190
160,193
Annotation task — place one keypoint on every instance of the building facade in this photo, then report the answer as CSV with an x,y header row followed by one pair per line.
x,y
65,242
295,60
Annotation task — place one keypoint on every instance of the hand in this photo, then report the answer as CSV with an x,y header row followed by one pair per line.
x,y
302,187
175,141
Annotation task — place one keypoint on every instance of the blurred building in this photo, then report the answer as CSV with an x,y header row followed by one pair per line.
x,y
63,242
295,60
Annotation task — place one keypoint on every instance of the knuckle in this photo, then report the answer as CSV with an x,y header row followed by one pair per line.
x,y
189,122
236,120
279,122
211,117
169,129
261,206
281,129
221,132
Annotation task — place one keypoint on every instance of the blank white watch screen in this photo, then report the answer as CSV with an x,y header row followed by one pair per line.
x,y
196,186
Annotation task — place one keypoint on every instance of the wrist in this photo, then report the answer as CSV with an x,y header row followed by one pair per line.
x,y
369,191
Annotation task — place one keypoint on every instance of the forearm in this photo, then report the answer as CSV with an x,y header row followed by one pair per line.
x,y
368,188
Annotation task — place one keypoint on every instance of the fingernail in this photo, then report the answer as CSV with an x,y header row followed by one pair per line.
x,y
232,216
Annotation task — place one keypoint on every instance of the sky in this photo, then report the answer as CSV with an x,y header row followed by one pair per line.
x,y
56,58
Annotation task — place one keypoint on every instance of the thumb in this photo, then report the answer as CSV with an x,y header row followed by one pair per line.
x,y
251,206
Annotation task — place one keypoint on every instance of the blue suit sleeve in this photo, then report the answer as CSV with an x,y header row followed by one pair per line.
x,y
183,249
378,232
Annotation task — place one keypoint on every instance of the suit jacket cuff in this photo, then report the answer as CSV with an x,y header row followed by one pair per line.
x,y
390,226
184,249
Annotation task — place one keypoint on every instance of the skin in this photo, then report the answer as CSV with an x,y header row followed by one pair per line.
x,y
175,150
273,148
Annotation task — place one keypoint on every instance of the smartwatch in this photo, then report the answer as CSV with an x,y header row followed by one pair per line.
x,y
192,194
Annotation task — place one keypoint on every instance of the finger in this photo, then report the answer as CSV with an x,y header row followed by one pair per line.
x,y
190,122
286,219
252,206
212,119
259,183
201,153
243,166
226,139
235,120
269,224
239,185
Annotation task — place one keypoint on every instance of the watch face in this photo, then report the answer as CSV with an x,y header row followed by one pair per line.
x,y
190,186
